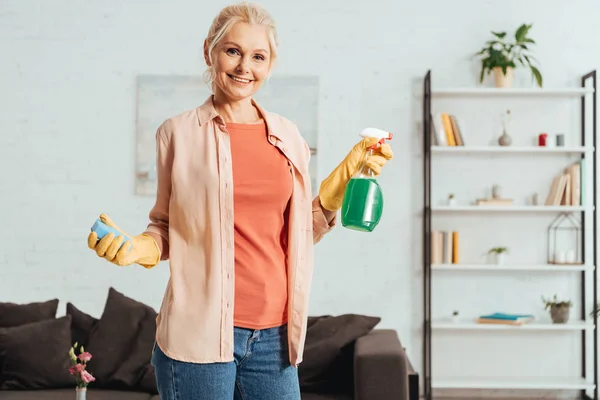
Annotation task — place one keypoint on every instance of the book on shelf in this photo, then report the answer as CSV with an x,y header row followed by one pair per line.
x,y
445,130
505,318
567,186
444,247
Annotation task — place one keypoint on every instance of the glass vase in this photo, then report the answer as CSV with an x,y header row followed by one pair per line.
x,y
80,393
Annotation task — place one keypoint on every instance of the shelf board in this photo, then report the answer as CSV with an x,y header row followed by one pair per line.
x,y
513,208
551,383
511,149
540,92
465,324
511,267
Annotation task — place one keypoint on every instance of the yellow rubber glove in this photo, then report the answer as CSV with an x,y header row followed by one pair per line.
x,y
143,250
331,192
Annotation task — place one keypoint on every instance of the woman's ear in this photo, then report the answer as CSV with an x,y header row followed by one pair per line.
x,y
206,57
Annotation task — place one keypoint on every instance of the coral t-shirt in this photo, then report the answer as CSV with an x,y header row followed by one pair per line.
x,y
262,188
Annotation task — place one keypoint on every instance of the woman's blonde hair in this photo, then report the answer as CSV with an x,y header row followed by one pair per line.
x,y
250,13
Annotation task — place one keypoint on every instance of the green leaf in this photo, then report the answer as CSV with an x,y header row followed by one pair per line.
x,y
499,35
521,33
538,76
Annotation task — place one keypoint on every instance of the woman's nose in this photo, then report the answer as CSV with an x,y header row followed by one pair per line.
x,y
242,67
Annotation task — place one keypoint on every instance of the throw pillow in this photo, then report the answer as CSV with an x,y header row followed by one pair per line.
x,y
328,349
35,355
13,314
147,383
81,326
131,372
113,337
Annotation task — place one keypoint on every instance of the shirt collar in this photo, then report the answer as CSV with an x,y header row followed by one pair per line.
x,y
207,112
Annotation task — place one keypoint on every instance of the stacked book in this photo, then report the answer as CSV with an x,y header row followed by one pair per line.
x,y
567,187
504,318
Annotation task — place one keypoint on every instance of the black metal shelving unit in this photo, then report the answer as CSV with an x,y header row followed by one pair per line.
x,y
427,222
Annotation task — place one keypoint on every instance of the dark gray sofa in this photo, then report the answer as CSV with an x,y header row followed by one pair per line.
x,y
380,373
345,357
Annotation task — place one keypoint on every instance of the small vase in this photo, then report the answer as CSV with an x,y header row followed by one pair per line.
x,y
559,315
501,80
505,139
80,393
496,191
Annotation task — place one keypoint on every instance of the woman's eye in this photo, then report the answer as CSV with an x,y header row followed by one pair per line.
x,y
232,51
260,57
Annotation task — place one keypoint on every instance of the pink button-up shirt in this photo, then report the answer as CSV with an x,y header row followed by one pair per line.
x,y
192,222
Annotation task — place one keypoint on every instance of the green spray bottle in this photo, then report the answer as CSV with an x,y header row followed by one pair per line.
x,y
362,206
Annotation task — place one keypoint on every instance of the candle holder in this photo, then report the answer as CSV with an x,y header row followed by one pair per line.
x,y
567,224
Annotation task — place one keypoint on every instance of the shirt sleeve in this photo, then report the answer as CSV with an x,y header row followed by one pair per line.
x,y
321,225
158,228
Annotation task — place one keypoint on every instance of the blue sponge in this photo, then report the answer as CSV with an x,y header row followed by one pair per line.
x,y
102,230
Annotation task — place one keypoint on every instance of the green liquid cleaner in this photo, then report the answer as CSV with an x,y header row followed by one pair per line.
x,y
362,206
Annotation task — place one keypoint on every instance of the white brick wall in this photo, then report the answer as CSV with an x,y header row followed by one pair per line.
x,y
67,98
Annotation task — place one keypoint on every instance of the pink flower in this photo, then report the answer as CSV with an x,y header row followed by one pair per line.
x,y
76,369
87,377
85,357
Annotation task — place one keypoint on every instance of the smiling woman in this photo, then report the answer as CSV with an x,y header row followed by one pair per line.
x,y
233,320
240,49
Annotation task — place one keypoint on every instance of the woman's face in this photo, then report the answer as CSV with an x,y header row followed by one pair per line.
x,y
242,61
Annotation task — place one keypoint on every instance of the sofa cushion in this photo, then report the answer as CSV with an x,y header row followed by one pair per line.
x,y
113,341
327,361
35,355
136,371
81,325
67,394
14,314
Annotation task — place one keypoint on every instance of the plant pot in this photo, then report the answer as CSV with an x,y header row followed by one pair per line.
x,y
560,315
499,258
452,201
501,80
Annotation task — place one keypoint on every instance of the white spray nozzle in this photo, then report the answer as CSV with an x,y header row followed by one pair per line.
x,y
376,133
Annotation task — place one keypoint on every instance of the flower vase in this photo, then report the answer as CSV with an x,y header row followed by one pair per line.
x,y
80,393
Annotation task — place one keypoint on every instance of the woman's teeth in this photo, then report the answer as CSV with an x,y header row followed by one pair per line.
x,y
239,79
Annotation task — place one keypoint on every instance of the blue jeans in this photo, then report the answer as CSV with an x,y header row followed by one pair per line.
x,y
260,371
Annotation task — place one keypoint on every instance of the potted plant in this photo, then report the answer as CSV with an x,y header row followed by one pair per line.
x,y
501,56
559,309
498,253
455,316
451,199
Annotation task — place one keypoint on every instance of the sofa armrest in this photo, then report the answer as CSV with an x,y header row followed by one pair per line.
x,y
380,367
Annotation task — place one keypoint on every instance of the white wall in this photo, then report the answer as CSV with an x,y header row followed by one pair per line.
x,y
67,121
